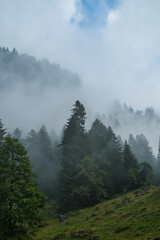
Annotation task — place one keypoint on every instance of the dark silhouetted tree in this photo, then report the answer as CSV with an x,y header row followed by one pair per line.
x,y
74,148
2,132
88,186
132,178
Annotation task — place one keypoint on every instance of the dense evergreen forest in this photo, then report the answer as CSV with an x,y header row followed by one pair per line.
x,y
18,68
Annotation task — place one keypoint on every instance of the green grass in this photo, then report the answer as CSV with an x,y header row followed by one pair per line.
x,y
138,219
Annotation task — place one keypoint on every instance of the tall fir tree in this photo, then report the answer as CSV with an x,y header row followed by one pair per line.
x,y
142,150
114,155
132,178
74,148
146,172
2,132
88,187
45,144
106,152
98,137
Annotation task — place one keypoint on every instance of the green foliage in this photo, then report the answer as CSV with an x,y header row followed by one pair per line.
x,y
2,131
132,178
146,173
74,142
94,165
114,155
21,203
88,189
106,152
142,150
98,136
74,148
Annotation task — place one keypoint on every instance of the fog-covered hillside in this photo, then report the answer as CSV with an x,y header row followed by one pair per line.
x,y
24,69
33,92
125,120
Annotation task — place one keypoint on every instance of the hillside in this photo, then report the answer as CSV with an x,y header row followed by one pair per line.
x,y
29,86
135,215
23,69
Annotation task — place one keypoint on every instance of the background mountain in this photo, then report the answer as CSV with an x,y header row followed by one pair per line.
x,y
24,69
33,92
36,92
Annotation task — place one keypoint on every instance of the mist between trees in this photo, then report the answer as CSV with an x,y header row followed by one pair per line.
x,y
85,164
85,167
43,93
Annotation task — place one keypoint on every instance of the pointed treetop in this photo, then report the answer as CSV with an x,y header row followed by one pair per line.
x,y
2,130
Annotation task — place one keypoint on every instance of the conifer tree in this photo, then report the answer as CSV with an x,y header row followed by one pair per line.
x,y
2,132
17,133
21,203
114,155
98,137
74,148
146,172
142,150
88,189
44,143
106,152
132,178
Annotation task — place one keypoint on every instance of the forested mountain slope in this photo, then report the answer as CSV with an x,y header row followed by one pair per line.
x,y
33,92
126,120
21,68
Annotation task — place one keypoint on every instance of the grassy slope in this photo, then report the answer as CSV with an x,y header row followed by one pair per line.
x,y
138,219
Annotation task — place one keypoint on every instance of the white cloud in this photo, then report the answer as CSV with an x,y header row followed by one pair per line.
x,y
119,61
112,17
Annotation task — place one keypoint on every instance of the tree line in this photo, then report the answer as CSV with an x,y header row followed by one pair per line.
x,y
85,168
95,165
21,68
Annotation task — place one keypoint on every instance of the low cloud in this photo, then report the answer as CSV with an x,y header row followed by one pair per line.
x,y
119,60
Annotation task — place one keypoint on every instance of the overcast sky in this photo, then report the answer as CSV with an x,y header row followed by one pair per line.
x,y
113,45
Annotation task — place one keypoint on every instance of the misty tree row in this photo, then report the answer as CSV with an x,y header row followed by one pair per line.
x,y
88,166
26,70
94,164
123,116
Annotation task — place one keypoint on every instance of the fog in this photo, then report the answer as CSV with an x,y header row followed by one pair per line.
x,y
116,58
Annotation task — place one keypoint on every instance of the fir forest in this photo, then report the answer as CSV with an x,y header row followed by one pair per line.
x,y
79,120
